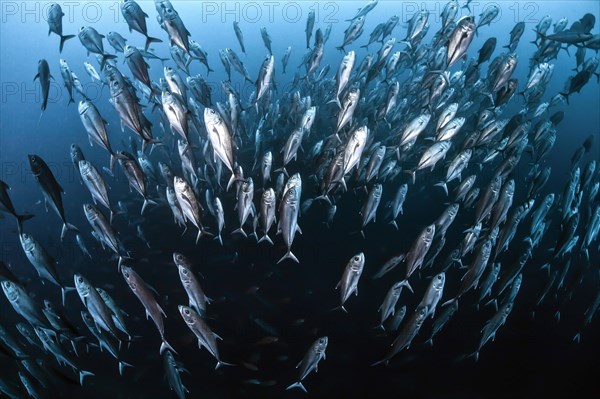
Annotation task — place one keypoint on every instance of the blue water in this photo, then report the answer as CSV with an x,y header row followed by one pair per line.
x,y
530,357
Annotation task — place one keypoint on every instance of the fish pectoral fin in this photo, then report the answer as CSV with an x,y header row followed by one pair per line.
x,y
147,314
217,336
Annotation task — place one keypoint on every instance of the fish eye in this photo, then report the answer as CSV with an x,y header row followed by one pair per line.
x,y
187,312
439,277
356,258
184,271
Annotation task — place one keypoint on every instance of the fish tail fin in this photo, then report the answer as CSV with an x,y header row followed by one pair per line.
x,y
267,239
67,226
283,170
336,100
64,291
111,162
165,345
383,361
222,363
151,40
241,231
429,341
122,366
83,374
450,302
106,57
475,355
63,39
71,101
121,260
566,96
297,385
289,255
341,307
443,185
393,223
412,173
22,218
147,201
407,285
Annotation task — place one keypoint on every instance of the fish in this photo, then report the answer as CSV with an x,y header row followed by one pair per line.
x,y
415,256
239,35
349,283
92,41
288,220
388,307
310,24
266,39
52,346
171,22
23,304
94,75
136,20
189,205
434,293
51,190
406,335
104,341
43,262
7,206
353,32
343,75
117,41
96,185
310,361
286,57
173,369
220,137
206,337
44,77
95,126
54,19
460,39
267,213
492,326
135,177
95,305
151,306
198,300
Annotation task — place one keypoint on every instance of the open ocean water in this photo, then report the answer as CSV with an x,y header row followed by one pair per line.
x,y
269,314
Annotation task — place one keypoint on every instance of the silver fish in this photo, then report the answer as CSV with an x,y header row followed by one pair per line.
x,y
153,309
349,281
206,337
310,361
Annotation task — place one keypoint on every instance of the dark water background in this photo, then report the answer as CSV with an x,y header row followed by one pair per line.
x,y
530,357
